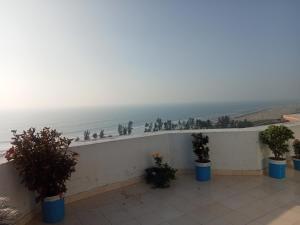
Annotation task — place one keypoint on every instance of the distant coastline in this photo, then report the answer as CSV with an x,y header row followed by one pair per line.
x,y
73,123
270,113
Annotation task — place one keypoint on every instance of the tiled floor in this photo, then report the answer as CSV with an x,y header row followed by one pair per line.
x,y
226,200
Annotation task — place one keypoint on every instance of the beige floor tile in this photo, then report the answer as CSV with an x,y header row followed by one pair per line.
x,y
182,204
92,218
150,219
168,212
237,218
225,200
209,213
119,216
254,210
285,215
255,223
237,201
217,221
183,220
129,222
259,192
139,211
293,207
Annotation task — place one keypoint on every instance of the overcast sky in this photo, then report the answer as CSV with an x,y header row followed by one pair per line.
x,y
86,53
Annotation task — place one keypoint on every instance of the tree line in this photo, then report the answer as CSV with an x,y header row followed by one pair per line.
x,y
160,125
195,123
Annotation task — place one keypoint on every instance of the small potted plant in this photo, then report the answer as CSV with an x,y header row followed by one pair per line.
x,y
276,137
160,175
296,158
203,164
45,163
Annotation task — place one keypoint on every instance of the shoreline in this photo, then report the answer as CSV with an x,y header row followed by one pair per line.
x,y
270,113
241,115
262,116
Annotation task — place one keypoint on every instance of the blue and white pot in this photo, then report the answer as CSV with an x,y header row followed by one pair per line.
x,y
53,209
277,168
296,164
203,171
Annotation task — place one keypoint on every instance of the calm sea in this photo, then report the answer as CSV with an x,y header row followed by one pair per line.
x,y
73,122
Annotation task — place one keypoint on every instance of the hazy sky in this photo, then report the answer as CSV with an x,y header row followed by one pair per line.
x,y
84,53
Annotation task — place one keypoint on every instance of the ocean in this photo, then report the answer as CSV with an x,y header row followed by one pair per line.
x,y
73,122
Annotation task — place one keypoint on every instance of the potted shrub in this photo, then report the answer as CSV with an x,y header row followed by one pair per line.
x,y
296,158
276,137
45,163
160,175
203,164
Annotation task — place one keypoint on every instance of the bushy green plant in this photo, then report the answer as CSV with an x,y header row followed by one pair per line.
x,y
296,146
276,137
200,147
7,214
43,160
160,175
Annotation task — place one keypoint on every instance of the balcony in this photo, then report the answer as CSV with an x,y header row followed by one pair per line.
x,y
226,200
107,187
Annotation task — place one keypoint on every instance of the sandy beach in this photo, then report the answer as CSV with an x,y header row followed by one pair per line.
x,y
271,113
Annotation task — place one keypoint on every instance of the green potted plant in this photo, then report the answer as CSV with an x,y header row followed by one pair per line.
x,y
276,138
296,158
44,162
201,150
160,175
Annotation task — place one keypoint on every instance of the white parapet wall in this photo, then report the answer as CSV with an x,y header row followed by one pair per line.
x,y
103,164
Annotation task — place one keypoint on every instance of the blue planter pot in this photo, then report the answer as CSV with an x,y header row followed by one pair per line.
x,y
203,171
296,164
53,209
277,168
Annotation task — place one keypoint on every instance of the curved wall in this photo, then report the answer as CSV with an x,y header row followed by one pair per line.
x,y
233,151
